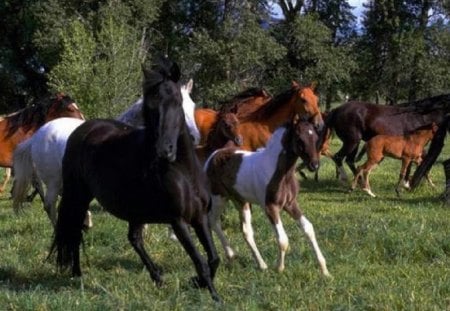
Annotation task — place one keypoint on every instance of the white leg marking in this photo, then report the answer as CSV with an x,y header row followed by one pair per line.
x,y
309,231
247,230
283,244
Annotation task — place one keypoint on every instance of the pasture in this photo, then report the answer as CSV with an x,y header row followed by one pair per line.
x,y
385,253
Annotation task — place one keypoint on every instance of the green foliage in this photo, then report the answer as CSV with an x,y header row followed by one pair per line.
x,y
100,70
232,57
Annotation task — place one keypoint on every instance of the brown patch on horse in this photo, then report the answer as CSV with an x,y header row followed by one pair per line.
x,y
222,171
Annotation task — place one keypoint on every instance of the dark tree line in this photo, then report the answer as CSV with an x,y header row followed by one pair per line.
x,y
93,49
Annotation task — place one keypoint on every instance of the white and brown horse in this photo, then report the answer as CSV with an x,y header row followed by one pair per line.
x,y
267,178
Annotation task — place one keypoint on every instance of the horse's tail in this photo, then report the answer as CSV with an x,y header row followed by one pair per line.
x,y
437,143
68,236
326,130
23,173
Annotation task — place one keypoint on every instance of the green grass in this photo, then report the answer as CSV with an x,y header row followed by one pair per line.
x,y
385,253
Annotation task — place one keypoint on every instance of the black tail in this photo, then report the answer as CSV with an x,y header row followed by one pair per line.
x,y
68,235
437,143
328,126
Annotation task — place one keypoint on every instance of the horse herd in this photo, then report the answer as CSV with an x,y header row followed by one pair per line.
x,y
248,153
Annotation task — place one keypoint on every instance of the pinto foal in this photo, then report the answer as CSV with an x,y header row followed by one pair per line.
x,y
267,178
408,148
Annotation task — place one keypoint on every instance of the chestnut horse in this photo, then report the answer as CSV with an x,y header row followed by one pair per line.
x,y
265,177
258,123
140,175
20,125
408,148
355,121
242,103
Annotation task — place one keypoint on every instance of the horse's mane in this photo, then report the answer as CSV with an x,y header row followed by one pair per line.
x,y
237,104
437,143
268,109
34,115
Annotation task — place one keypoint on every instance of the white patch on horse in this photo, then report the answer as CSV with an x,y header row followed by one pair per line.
x,y
257,169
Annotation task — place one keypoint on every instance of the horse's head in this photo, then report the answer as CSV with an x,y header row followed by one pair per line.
x,y
162,107
62,106
189,108
228,127
307,104
302,141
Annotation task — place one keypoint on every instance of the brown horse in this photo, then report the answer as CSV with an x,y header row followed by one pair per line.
x,y
242,103
408,148
20,125
225,132
355,121
258,123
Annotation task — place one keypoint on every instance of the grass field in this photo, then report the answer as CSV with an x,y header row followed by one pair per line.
x,y
385,253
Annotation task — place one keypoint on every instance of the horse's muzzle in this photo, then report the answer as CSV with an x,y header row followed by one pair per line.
x,y
313,166
239,140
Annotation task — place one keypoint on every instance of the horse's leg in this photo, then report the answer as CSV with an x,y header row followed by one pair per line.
x,y
218,205
350,159
50,202
406,162
38,189
137,241
247,230
204,278
6,179
300,168
273,213
346,149
366,184
358,175
307,227
203,231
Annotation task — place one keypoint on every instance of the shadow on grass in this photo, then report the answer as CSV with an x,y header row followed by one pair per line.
x,y
18,281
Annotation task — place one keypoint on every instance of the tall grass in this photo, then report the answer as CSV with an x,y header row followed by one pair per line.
x,y
385,253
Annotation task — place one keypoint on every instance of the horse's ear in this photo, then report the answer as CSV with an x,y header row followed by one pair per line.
x,y
295,84
313,85
189,85
175,72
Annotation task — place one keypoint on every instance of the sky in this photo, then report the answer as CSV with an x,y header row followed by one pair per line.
x,y
355,3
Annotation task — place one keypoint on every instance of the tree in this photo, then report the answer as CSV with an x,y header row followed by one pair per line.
x,y
102,68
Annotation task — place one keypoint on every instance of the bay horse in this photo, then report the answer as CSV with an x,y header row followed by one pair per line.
x,y
267,178
140,175
408,148
20,125
355,121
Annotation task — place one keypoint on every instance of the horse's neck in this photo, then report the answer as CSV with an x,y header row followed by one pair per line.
x,y
281,115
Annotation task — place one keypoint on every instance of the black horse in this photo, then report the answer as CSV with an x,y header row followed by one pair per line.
x,y
148,175
355,121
